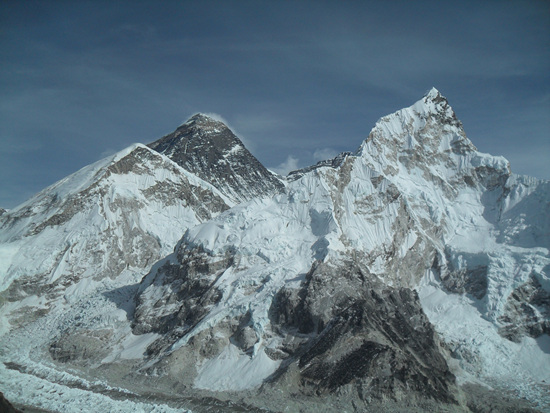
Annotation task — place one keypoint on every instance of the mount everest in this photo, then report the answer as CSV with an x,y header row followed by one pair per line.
x,y
409,274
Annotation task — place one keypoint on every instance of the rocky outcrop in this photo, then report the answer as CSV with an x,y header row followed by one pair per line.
x,y
527,312
6,406
81,347
174,298
209,149
463,273
342,331
332,163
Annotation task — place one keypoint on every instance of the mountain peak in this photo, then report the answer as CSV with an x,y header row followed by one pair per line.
x,y
206,147
203,118
427,136
434,105
433,94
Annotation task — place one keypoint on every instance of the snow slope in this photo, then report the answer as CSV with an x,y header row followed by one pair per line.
x,y
123,212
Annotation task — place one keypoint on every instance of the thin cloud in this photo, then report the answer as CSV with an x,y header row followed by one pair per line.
x,y
324,154
218,117
107,152
259,123
247,142
12,145
291,164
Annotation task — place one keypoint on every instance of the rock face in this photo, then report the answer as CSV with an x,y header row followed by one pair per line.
x,y
371,280
375,340
190,296
527,311
333,163
209,149
6,406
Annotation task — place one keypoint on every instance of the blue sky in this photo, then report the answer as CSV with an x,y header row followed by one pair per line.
x,y
296,80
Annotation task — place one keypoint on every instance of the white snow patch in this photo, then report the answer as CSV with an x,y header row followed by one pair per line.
x,y
133,347
234,370
482,351
7,254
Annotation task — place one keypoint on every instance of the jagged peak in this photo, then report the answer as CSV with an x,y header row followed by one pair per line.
x,y
429,125
434,103
433,94
201,129
331,163
127,151
433,106
208,148
205,120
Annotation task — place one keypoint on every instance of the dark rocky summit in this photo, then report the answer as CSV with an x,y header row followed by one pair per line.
x,y
209,149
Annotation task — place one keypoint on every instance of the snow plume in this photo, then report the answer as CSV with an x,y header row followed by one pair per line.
x,y
324,154
217,117
291,164
249,144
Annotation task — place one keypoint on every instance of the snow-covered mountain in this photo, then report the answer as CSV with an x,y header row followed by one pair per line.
x,y
400,276
92,233
118,215
207,148
292,288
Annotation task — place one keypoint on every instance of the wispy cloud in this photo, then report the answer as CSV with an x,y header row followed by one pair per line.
x,y
11,145
291,164
324,154
254,123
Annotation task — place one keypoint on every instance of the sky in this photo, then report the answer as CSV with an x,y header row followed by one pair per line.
x,y
297,81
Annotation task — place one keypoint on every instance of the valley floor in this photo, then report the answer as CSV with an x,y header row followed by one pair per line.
x,y
33,394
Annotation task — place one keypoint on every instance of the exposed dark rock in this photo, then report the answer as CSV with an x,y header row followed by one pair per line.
x,y
444,114
81,347
6,406
379,341
527,312
204,202
466,279
210,150
486,400
245,336
189,295
331,163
